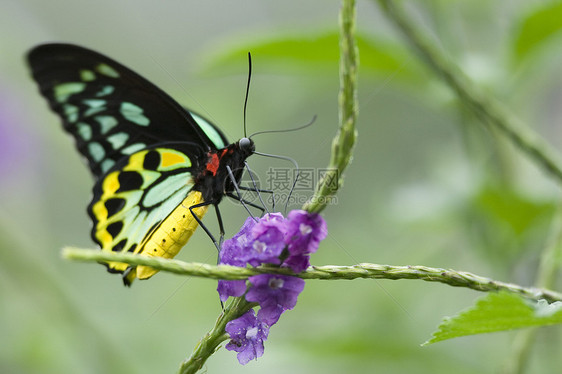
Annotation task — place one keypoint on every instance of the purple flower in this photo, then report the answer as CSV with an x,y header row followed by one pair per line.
x,y
272,240
297,263
268,241
233,249
247,334
304,232
231,253
273,217
275,294
234,288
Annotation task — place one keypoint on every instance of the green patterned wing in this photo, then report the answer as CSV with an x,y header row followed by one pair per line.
x,y
111,111
139,200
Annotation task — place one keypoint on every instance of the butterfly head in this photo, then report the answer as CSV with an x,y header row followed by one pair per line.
x,y
247,146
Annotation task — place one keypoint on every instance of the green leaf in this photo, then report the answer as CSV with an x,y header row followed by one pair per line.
x,y
498,312
497,205
311,53
537,29
504,222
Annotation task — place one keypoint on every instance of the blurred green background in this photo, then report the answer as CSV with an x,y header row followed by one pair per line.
x,y
428,184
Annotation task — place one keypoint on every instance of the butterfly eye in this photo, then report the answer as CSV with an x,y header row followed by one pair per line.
x,y
246,145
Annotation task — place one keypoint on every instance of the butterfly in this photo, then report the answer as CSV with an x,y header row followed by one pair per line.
x,y
157,166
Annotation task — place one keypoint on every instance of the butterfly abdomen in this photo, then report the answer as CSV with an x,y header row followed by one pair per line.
x,y
168,238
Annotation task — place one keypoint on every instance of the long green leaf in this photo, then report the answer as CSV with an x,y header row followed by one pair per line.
x,y
536,29
498,312
316,52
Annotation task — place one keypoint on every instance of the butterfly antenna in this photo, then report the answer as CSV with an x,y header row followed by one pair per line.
x,y
247,89
296,167
286,130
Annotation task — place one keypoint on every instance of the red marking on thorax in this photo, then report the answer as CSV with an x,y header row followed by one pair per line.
x,y
213,164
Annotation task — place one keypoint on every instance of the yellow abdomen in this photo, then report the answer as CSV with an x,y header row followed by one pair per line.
x,y
171,235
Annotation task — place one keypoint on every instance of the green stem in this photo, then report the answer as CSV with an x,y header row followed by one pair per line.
x,y
344,141
211,341
546,275
482,104
551,255
370,271
341,155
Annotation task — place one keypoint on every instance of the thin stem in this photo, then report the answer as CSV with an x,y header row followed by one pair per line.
x,y
211,341
497,117
344,141
550,256
546,275
481,103
369,271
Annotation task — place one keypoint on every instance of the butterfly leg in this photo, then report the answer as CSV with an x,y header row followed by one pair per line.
x,y
242,188
263,208
221,226
237,189
241,200
256,189
205,203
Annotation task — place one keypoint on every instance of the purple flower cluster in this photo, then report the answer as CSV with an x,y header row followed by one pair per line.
x,y
247,334
274,240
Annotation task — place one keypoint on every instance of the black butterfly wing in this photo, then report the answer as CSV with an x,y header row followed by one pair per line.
x,y
143,148
111,111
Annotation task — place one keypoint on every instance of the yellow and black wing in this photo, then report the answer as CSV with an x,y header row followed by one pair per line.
x,y
142,206
142,148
